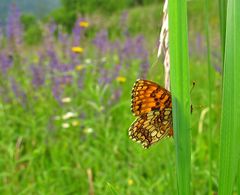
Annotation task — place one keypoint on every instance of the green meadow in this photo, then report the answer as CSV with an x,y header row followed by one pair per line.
x,y
65,112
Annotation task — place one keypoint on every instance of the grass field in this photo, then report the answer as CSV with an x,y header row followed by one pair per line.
x,y
65,116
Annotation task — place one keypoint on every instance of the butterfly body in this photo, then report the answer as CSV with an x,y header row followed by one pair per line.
x,y
152,104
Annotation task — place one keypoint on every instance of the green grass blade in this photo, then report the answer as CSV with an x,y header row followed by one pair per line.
x,y
230,123
238,179
178,39
222,19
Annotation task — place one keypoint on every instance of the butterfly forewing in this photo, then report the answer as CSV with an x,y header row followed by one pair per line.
x,y
148,96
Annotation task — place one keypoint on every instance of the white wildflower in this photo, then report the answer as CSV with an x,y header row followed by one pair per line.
x,y
65,125
88,61
66,100
103,59
69,115
88,130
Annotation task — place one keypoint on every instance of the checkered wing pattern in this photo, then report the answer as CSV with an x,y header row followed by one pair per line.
x,y
148,96
152,105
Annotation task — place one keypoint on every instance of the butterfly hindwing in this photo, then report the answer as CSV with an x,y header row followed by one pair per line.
x,y
152,127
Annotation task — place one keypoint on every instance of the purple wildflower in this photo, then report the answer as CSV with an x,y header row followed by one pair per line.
x,y
116,47
104,77
139,47
6,62
116,71
63,38
66,79
14,28
49,31
77,32
217,68
53,59
123,23
52,28
128,50
101,41
56,90
64,67
58,84
18,92
74,58
38,76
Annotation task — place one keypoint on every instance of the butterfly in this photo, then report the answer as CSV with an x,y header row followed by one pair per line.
x,y
152,104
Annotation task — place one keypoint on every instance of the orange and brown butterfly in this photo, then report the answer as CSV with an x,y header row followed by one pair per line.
x,y
152,104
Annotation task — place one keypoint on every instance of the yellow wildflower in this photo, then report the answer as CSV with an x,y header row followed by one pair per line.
x,y
130,182
84,24
77,49
79,67
121,79
75,123
36,59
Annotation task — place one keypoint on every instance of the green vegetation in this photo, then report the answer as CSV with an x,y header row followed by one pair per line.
x,y
64,116
69,10
32,31
180,80
230,125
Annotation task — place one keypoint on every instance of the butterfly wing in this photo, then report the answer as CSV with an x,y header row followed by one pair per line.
x,y
151,127
148,96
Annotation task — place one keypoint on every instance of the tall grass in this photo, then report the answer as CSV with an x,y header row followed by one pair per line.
x,y
222,16
40,155
230,123
178,39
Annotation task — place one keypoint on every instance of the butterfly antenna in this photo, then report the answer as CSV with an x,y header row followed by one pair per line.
x,y
191,107
193,85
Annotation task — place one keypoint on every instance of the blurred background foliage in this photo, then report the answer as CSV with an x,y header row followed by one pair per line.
x,y
67,69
